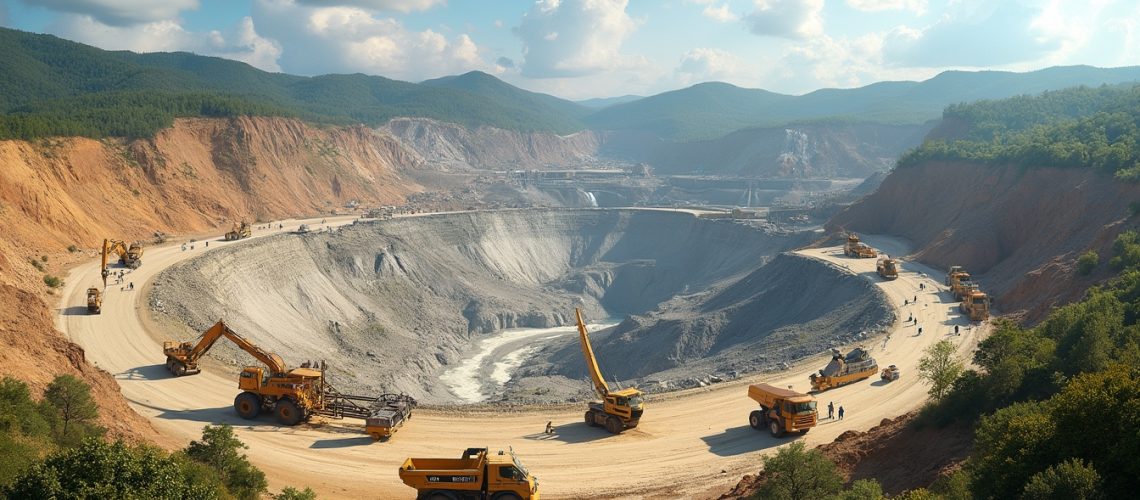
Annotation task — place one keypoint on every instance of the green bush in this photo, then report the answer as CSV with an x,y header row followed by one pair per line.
x,y
798,473
1087,262
52,281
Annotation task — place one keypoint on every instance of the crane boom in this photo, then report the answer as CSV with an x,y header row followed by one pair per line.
x,y
220,329
591,362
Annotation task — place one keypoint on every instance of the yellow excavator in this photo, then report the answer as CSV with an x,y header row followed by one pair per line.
x,y
130,256
239,231
618,410
293,395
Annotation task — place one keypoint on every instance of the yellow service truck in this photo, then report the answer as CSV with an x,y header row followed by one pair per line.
x,y
477,475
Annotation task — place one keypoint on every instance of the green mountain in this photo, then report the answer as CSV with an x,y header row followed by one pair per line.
x,y
602,102
45,80
711,110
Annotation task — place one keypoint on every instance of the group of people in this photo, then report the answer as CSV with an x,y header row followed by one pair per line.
x,y
831,410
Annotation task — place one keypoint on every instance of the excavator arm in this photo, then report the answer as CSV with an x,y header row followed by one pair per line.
x,y
111,246
591,362
219,330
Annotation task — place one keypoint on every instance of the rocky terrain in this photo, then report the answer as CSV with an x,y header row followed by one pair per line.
x,y
1018,231
395,303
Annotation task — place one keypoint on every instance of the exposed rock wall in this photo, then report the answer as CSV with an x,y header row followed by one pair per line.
x,y
1018,231
452,146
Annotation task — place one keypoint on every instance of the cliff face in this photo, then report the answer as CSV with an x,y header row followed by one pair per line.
x,y
197,176
450,146
1017,231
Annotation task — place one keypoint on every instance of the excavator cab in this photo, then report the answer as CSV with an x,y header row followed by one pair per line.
x,y
252,379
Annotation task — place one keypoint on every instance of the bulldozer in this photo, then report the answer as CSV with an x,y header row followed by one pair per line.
x,y
782,410
975,304
855,366
129,256
618,410
94,300
887,267
293,395
857,249
953,270
239,231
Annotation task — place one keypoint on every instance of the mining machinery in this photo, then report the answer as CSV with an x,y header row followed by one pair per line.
x,y
293,395
239,231
129,256
618,410
856,365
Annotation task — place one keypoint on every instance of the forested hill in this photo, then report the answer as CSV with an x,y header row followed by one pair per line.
x,y
51,86
1096,128
710,110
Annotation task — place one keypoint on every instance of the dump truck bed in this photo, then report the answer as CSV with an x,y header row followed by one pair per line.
x,y
760,392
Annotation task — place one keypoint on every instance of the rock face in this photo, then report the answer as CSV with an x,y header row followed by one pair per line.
x,y
1017,231
418,292
450,146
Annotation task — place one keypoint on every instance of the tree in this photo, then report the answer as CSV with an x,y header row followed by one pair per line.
x,y
1071,479
940,368
863,489
291,493
97,469
219,449
1087,262
71,400
795,473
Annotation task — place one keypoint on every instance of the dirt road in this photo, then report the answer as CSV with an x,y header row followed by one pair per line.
x,y
688,444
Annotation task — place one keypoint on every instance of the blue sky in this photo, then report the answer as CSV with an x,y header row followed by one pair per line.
x,y
600,48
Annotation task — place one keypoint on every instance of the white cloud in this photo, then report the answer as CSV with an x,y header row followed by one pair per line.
x,y
795,19
385,5
589,36
353,40
120,12
705,64
985,35
916,6
240,43
721,13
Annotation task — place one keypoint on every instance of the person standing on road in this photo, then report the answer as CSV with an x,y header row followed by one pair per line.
x,y
955,329
830,409
840,413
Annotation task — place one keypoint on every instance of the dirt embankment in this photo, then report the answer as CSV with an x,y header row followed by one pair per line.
x,y
195,177
1018,231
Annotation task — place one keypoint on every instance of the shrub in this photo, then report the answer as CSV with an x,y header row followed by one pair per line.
x,y
1087,262
52,281
72,248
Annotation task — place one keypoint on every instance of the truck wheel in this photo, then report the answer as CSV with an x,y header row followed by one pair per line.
x,y
440,495
776,427
506,495
590,419
179,369
805,431
248,405
756,419
288,413
614,425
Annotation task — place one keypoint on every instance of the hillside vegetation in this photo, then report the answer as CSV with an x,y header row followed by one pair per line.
x,y
44,80
1097,128
710,110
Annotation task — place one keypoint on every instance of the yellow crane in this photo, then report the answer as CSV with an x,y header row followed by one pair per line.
x,y
618,410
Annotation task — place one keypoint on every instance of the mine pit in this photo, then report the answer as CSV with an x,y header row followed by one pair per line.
x,y
478,306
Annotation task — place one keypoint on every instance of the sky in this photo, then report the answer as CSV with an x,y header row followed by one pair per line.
x,y
579,49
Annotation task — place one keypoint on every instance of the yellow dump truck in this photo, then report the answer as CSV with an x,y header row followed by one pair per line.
x,y
961,284
975,304
782,410
856,365
477,475
887,267
858,249
94,300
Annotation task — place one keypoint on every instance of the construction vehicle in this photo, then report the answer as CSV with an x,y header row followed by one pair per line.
x,y
782,410
858,249
855,366
890,373
476,475
960,284
302,229
975,304
887,267
390,412
128,256
293,395
951,272
239,231
618,410
94,300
